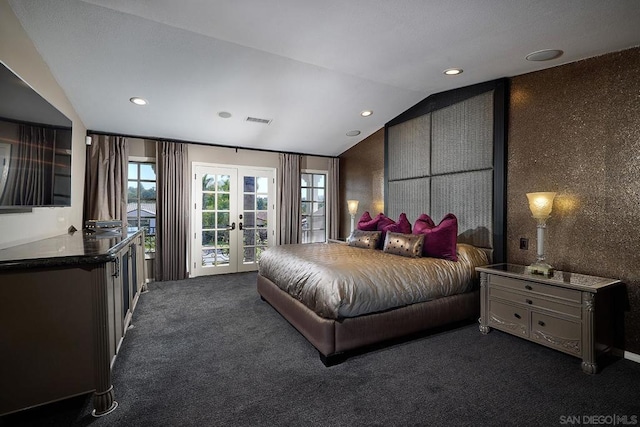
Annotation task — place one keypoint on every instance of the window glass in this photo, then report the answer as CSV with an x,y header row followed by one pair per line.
x,y
141,201
312,207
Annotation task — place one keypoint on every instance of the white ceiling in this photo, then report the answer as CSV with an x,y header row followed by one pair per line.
x,y
310,66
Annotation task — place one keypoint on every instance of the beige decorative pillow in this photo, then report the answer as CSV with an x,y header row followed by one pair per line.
x,y
364,239
409,245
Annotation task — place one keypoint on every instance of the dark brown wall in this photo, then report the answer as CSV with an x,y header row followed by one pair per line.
x,y
362,179
575,129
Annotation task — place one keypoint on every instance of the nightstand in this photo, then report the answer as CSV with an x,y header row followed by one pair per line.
x,y
559,311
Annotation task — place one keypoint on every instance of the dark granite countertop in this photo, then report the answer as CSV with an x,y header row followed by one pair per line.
x,y
75,248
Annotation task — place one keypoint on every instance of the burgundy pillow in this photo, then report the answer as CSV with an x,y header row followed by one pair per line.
x,y
402,226
439,240
366,223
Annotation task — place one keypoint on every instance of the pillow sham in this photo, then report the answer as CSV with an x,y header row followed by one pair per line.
x,y
364,239
409,245
402,226
367,223
439,240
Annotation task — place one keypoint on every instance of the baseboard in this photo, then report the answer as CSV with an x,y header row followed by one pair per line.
x,y
627,355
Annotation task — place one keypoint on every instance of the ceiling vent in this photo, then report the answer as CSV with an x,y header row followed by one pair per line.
x,y
257,120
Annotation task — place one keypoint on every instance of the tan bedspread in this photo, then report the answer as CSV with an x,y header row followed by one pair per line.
x,y
338,281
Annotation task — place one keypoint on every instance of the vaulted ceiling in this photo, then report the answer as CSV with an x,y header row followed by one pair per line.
x,y
309,67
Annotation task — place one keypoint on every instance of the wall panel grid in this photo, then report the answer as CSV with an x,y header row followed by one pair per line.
x,y
409,144
442,162
416,190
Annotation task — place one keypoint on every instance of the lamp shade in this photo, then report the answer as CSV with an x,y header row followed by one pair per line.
x,y
541,204
352,206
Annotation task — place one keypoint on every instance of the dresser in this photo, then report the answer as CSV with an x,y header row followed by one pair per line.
x,y
566,311
65,305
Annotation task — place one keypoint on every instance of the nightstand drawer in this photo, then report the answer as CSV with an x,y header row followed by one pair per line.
x,y
558,333
538,288
535,300
509,317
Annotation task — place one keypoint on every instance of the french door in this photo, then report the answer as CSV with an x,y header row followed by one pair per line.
x,y
233,217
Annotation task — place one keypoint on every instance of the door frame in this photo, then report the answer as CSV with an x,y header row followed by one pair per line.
x,y
273,212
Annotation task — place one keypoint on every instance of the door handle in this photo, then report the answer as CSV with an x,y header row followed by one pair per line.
x,y
240,226
233,226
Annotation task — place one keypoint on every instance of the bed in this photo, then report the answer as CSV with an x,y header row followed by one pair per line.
x,y
343,298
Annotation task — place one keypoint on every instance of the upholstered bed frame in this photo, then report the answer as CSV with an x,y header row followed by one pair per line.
x,y
446,154
333,338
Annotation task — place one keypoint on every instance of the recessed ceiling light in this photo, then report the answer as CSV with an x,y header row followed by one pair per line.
x,y
353,133
452,71
224,114
366,113
138,101
544,55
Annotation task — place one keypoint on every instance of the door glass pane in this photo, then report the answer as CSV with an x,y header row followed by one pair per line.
x,y
318,181
262,203
249,219
208,182
223,238
262,237
318,222
249,184
208,220
262,219
305,180
259,251
222,256
318,195
249,255
306,208
223,220
306,194
208,238
208,201
249,201
317,236
249,237
263,184
224,183
223,202
208,257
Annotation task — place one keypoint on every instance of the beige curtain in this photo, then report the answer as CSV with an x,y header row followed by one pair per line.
x,y
333,203
289,198
105,189
172,231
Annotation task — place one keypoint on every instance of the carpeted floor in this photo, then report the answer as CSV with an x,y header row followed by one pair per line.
x,y
208,352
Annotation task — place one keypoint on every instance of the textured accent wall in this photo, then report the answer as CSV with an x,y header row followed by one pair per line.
x,y
362,179
575,129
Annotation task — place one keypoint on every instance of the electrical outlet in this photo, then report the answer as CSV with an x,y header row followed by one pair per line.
x,y
524,243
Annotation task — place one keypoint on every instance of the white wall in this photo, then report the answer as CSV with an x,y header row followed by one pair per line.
x,y
19,54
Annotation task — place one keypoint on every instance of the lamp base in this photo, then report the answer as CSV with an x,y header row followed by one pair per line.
x,y
540,268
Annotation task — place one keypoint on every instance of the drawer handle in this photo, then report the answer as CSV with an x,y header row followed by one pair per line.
x,y
529,301
528,287
517,316
540,322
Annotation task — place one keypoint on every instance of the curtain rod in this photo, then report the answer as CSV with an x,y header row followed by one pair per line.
x,y
95,132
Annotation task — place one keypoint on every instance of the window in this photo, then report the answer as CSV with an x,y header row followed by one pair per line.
x,y
314,219
141,201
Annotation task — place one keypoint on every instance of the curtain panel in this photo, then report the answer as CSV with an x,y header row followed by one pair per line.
x,y
172,232
289,198
334,201
105,189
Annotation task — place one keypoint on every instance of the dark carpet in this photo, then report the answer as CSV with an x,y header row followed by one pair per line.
x,y
208,352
